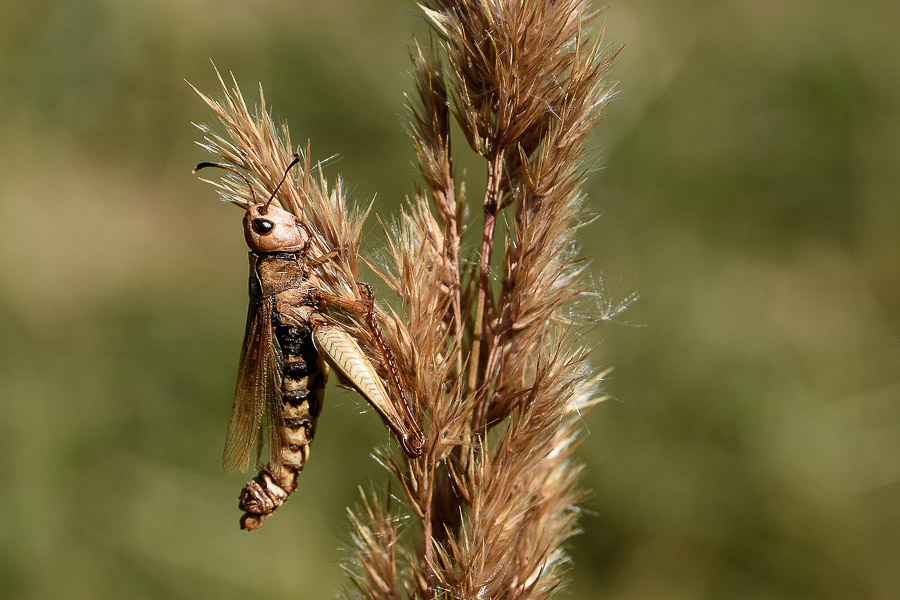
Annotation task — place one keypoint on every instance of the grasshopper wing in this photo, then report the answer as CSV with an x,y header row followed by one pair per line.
x,y
256,393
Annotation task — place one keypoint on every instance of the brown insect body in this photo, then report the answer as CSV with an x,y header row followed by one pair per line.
x,y
296,380
288,344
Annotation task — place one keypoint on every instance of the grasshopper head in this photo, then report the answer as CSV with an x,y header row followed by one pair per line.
x,y
268,228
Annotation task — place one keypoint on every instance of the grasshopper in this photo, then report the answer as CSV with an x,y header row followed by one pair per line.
x,y
289,344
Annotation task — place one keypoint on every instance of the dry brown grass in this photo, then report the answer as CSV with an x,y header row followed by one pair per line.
x,y
524,81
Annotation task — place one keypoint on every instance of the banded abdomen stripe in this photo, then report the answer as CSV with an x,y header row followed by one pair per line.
x,y
303,380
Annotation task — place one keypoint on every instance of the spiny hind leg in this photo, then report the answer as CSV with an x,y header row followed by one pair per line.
x,y
414,440
409,434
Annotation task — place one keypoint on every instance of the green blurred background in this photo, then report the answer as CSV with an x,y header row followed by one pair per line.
x,y
747,187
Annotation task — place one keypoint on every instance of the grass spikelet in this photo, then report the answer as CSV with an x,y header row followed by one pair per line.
x,y
373,570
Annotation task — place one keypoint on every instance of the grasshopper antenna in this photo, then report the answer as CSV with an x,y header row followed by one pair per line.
x,y
231,169
283,177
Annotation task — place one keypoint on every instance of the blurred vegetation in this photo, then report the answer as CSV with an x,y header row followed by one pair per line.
x,y
749,193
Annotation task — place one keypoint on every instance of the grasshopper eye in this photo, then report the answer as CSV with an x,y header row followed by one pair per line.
x,y
262,226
